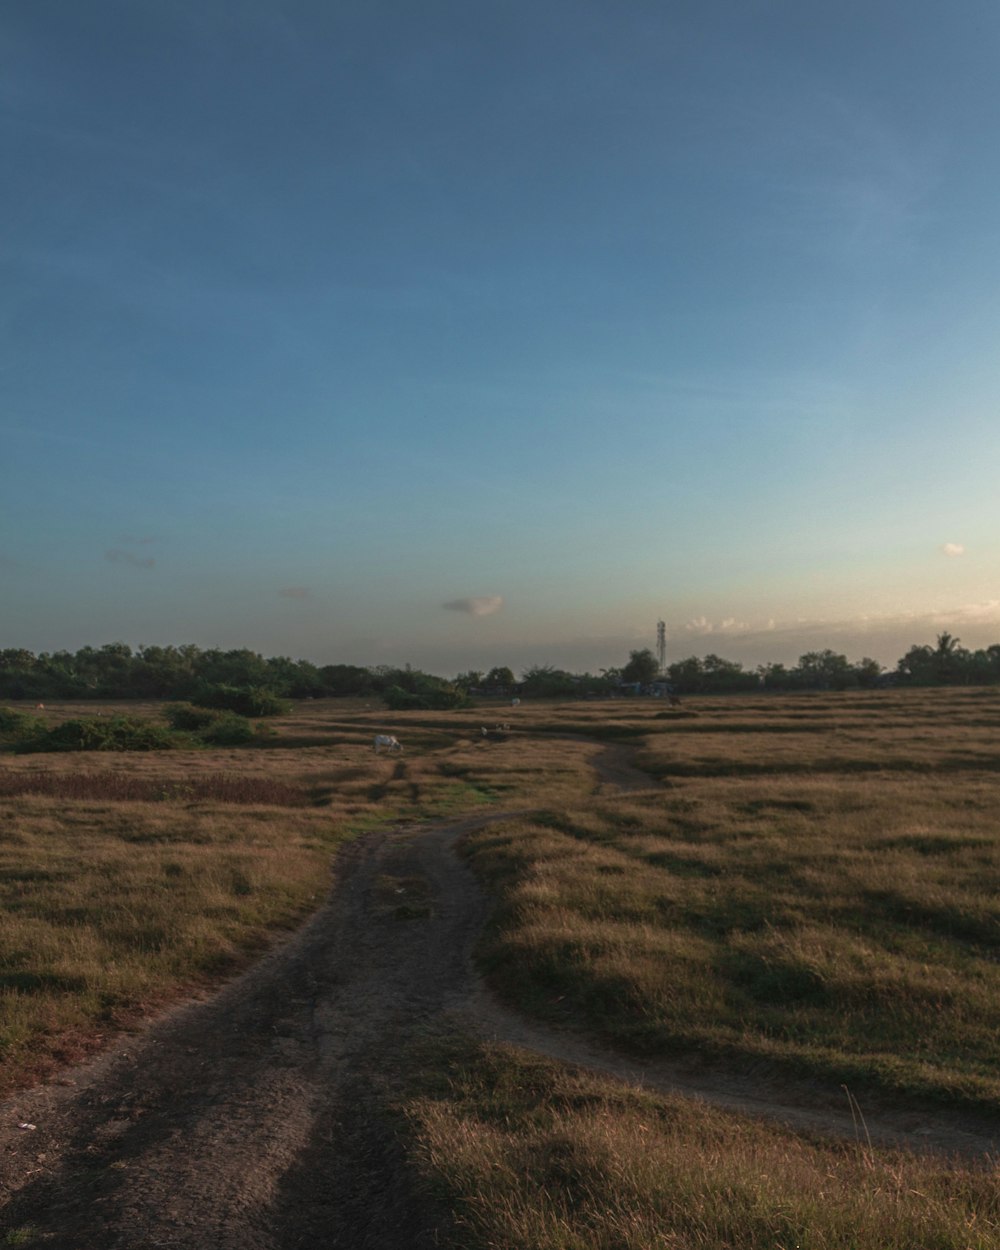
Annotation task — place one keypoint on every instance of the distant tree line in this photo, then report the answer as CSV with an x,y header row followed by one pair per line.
x,y
116,671
947,663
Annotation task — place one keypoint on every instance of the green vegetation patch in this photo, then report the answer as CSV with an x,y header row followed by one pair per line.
x,y
111,733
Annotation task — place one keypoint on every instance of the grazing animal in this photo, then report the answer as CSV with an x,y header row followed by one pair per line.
x,y
484,731
39,707
515,702
388,741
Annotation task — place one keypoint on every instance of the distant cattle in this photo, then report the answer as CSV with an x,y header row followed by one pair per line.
x,y
515,702
388,741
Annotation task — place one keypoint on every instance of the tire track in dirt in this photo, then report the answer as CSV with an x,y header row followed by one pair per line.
x,y
234,1122
254,1118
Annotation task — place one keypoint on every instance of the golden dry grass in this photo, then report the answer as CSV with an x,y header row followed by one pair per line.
x,y
813,886
530,1154
125,878
108,908
800,899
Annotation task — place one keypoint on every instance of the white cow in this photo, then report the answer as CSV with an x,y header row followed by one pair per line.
x,y
388,741
515,702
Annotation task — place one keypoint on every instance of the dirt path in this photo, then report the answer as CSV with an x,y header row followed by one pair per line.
x,y
251,1119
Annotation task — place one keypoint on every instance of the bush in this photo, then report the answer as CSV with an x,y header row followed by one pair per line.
x,y
19,726
428,698
401,700
227,729
97,733
244,700
187,717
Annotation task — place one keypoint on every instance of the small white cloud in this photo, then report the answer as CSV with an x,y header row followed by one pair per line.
x,y
700,625
295,592
953,549
481,605
115,556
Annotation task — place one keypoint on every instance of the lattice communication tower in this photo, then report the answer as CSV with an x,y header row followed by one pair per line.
x,y
661,645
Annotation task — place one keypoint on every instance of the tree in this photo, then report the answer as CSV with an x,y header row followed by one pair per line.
x,y
726,675
950,659
917,666
686,676
342,680
471,680
500,677
774,676
824,670
542,681
945,664
642,667
868,672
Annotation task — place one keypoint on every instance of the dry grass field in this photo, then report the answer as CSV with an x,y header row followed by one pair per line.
x,y
814,885
128,878
531,1154
798,885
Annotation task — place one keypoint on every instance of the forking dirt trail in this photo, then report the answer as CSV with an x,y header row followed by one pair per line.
x,y
250,1119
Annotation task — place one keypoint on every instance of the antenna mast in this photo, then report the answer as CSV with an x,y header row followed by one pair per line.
x,y
661,645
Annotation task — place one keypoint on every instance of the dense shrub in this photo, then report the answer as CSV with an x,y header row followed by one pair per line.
x,y
19,726
244,700
111,733
434,698
227,729
192,719
401,700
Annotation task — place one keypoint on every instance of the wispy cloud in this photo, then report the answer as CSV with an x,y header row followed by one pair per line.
x,y
117,556
953,549
728,625
481,605
295,592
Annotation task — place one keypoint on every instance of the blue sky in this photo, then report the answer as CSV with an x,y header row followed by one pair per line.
x,y
463,334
